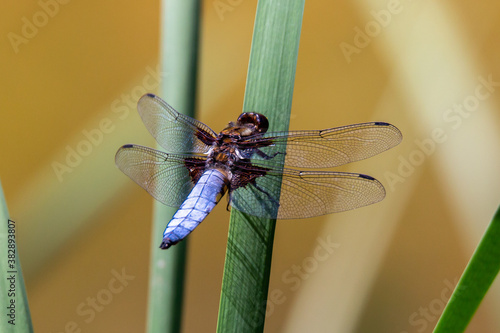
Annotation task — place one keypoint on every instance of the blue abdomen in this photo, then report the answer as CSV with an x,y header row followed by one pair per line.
x,y
202,199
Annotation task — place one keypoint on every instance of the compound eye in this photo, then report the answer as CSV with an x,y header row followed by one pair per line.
x,y
258,120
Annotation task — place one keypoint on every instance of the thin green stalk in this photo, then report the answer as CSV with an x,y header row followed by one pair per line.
x,y
15,315
269,90
477,278
179,48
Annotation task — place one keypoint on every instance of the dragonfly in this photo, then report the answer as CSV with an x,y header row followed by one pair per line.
x,y
261,171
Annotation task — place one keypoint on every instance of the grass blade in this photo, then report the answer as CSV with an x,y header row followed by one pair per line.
x,y
477,278
15,310
179,47
269,90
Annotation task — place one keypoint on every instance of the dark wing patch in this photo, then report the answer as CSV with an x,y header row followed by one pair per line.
x,y
167,177
245,174
174,131
195,167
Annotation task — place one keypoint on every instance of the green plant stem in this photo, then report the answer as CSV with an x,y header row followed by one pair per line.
x,y
14,302
179,48
477,278
269,90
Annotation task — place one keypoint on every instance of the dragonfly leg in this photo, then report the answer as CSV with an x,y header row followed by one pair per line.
x,y
267,157
269,196
228,200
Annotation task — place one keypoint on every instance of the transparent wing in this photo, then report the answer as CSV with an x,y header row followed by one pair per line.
x,y
174,131
167,177
305,194
328,148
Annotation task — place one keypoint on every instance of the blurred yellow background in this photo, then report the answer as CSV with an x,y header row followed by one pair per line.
x,y
71,75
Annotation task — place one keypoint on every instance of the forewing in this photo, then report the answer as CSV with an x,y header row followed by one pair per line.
x,y
331,147
306,194
175,132
167,177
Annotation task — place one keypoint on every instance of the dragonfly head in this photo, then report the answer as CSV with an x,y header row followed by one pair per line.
x,y
257,122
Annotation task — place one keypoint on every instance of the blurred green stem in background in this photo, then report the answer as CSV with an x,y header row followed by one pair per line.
x,y
15,314
477,278
179,49
269,89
